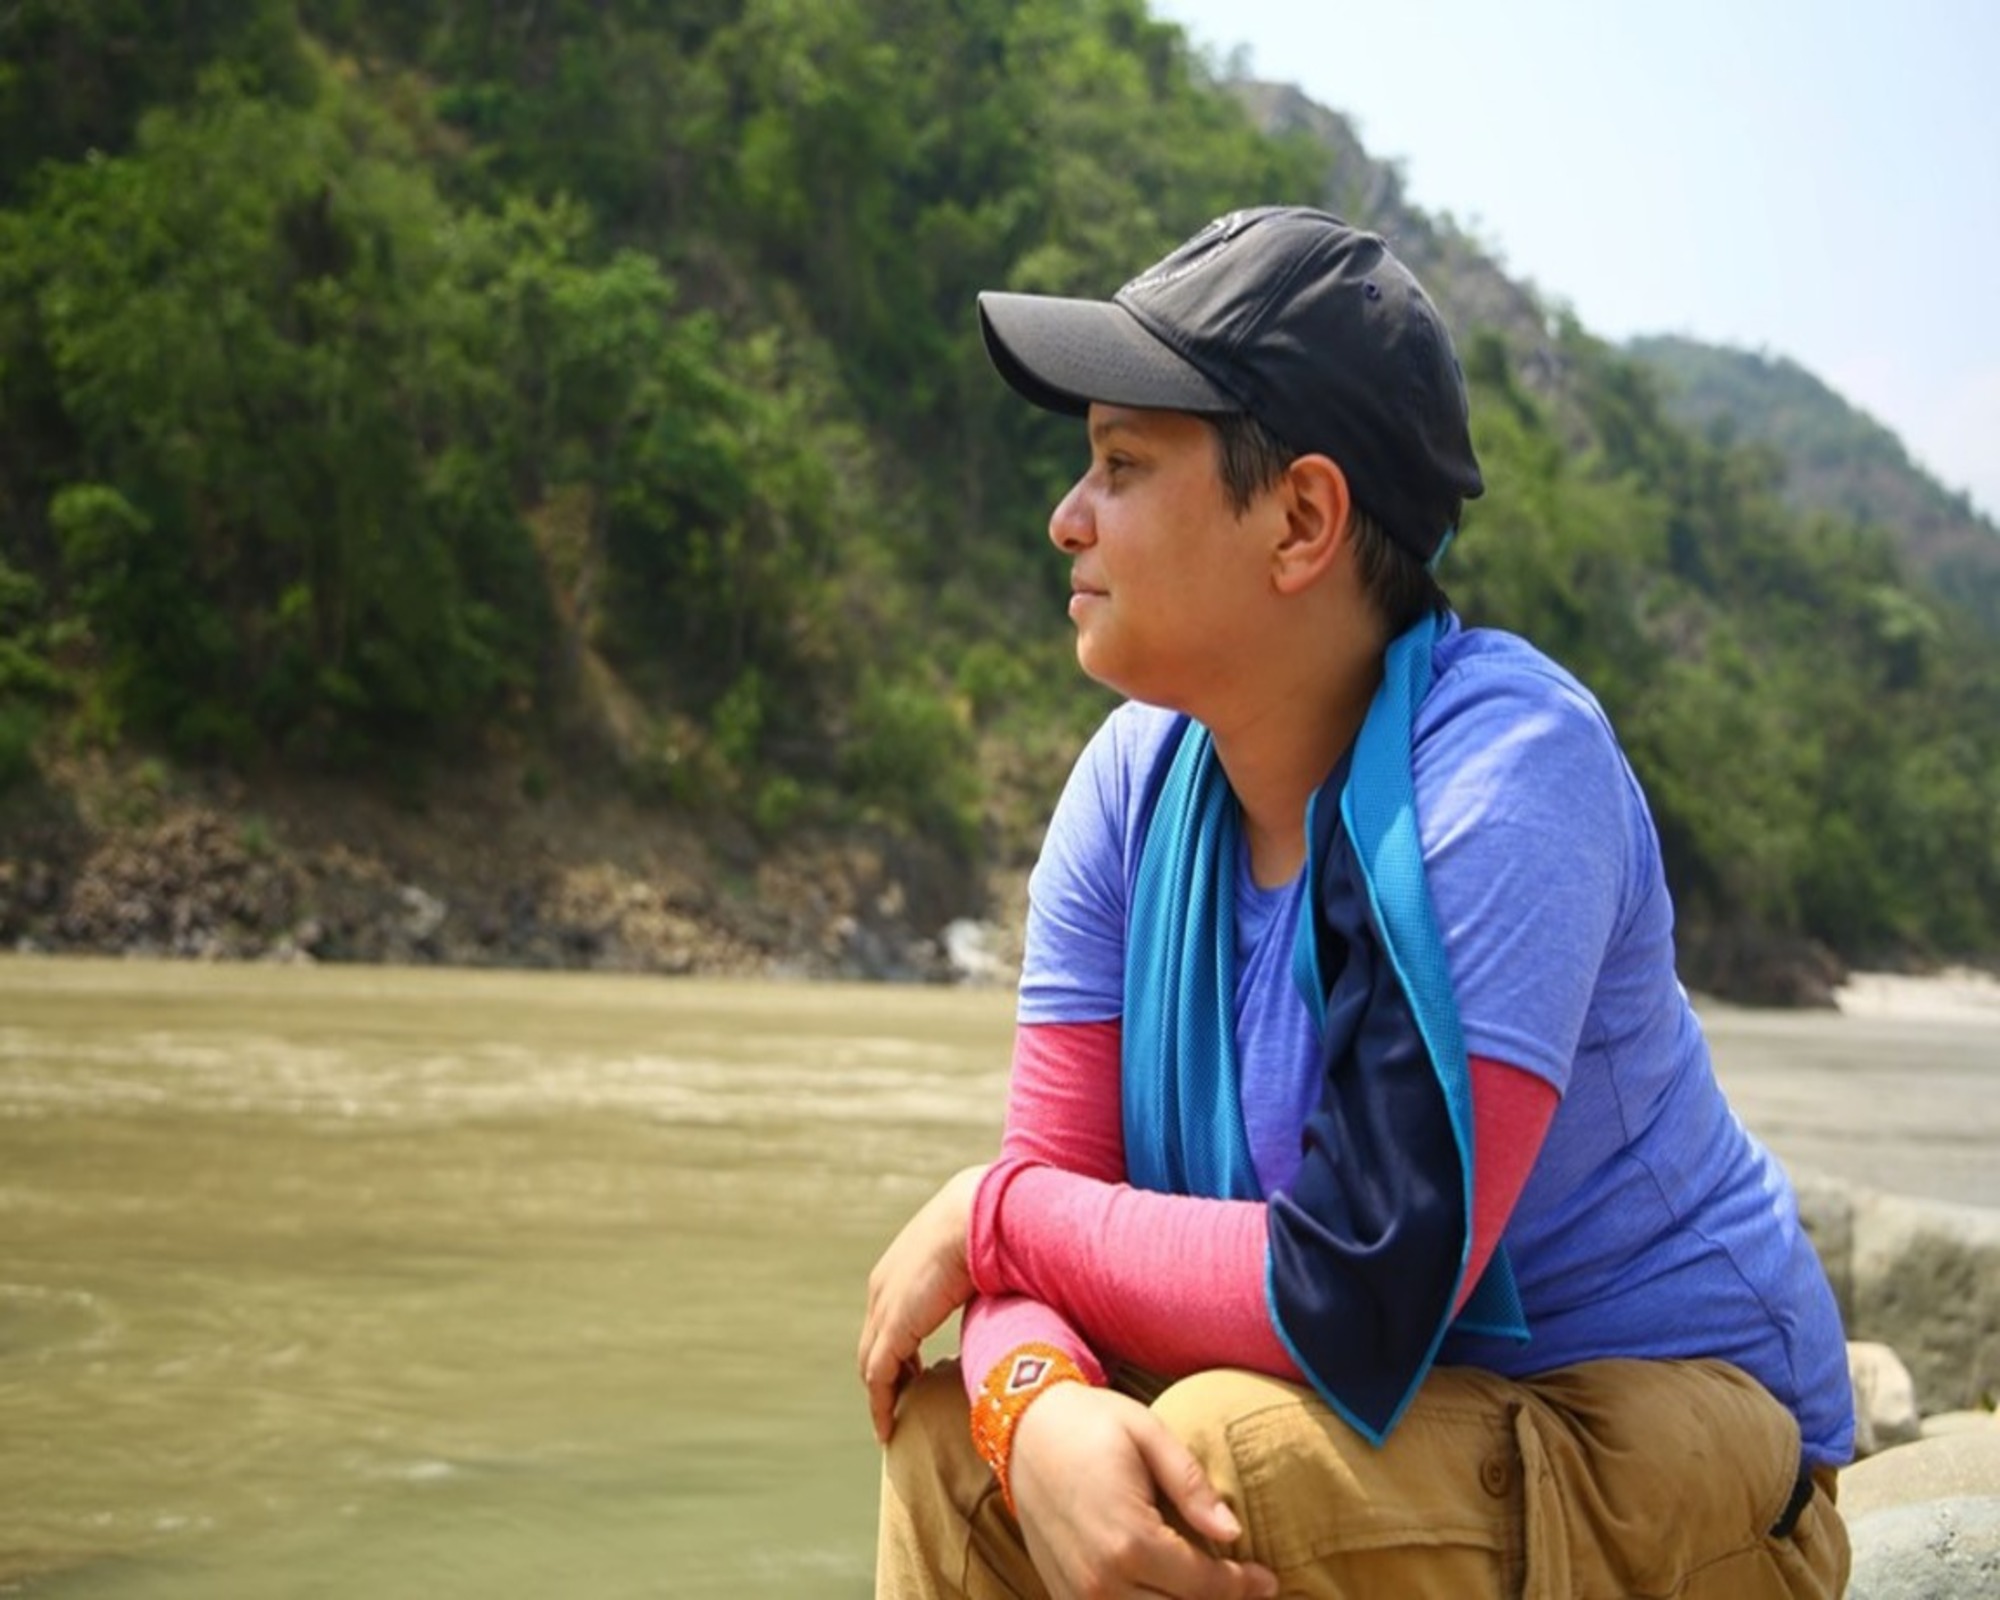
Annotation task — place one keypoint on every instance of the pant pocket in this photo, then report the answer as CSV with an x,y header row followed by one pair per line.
x,y
1639,1475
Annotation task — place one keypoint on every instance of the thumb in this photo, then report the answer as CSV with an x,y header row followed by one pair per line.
x,y
1181,1479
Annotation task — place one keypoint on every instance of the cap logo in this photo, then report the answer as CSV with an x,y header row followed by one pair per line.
x,y
1191,257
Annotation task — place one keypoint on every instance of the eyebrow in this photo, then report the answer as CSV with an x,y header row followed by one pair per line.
x,y
1104,428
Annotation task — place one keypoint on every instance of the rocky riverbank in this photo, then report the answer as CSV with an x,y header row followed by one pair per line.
x,y
132,861
1920,1282
489,868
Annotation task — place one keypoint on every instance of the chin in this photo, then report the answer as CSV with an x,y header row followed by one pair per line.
x,y
1126,685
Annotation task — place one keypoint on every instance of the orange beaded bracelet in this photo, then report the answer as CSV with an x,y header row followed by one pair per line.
x,y
1014,1381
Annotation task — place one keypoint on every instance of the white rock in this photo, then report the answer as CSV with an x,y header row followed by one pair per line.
x,y
1949,1422
1885,1397
972,949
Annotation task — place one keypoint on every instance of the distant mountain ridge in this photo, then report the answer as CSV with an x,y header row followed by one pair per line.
x,y
1837,458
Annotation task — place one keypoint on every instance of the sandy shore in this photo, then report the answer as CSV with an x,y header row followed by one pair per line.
x,y
1899,1090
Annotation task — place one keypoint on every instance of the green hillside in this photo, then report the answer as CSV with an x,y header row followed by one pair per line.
x,y
589,393
1835,459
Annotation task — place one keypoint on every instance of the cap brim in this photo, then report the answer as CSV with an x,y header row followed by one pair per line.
x,y
1064,354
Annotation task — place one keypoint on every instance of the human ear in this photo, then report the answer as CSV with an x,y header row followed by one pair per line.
x,y
1316,501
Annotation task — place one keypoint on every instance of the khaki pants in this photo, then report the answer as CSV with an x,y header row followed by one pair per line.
x,y
1596,1482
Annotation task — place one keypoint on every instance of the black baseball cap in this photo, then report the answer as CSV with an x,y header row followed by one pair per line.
x,y
1311,326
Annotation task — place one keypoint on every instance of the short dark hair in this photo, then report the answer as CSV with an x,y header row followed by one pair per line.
x,y
1251,458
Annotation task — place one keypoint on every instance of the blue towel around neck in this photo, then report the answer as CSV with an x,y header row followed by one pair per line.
x,y
1369,1249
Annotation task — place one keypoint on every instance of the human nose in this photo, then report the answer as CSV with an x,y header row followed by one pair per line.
x,y
1070,524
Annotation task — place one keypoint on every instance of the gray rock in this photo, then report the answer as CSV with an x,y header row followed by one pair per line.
x,y
1920,1276
1927,1282
1958,1465
1934,1550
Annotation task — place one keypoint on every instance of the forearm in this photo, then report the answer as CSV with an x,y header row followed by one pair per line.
x,y
1112,1264
1172,1283
1062,1108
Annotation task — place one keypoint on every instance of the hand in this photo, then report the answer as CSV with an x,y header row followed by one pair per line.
x,y
922,1278
1089,1468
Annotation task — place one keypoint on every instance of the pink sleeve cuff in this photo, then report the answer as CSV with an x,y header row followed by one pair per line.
x,y
995,1325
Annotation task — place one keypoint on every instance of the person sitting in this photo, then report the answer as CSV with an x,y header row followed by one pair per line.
x,y
1367,1218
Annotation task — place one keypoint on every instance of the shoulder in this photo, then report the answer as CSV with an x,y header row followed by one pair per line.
x,y
1097,815
1476,671
1073,969
1508,742
1497,707
1112,771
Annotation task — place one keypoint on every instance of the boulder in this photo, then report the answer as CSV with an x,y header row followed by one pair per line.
x,y
1930,1550
1826,1209
1920,1276
1948,1422
1885,1398
1956,1466
1926,1281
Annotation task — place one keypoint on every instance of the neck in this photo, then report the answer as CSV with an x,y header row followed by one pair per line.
x,y
1277,757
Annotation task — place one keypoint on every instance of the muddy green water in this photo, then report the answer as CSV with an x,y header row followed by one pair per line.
x,y
370,1284
367,1283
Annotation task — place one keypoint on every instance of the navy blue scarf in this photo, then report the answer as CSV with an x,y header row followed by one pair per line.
x,y
1368,1251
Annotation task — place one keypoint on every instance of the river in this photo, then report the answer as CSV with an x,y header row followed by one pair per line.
x,y
339,1281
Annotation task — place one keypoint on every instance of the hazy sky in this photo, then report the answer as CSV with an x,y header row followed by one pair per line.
x,y
1814,180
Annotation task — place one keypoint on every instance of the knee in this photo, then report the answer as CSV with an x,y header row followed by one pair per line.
x,y
940,1521
932,1438
1200,1408
1225,1418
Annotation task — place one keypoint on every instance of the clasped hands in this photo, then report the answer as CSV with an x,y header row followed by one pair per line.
x,y
1091,1468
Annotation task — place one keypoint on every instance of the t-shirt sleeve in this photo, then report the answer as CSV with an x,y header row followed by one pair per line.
x,y
1073,965
1529,818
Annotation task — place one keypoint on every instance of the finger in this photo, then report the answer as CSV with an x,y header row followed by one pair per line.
x,y
1172,1566
1180,1476
878,1377
882,1410
871,1339
886,1373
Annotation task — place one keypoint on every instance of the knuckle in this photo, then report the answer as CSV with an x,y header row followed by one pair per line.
x,y
1123,1551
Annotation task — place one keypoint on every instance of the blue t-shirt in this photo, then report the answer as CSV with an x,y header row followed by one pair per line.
x,y
1654,1224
